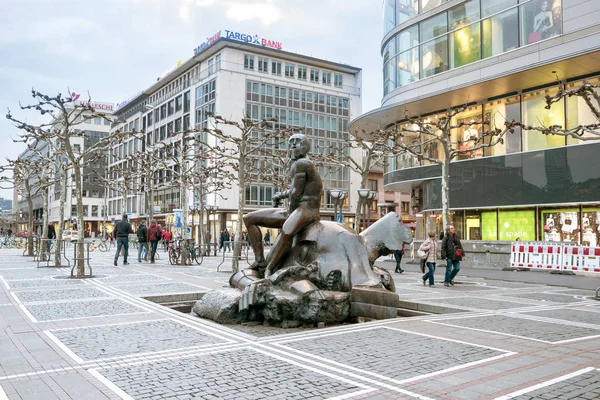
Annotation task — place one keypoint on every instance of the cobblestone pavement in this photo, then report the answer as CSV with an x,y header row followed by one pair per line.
x,y
102,339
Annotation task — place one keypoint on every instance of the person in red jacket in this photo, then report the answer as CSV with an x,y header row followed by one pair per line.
x,y
167,236
153,236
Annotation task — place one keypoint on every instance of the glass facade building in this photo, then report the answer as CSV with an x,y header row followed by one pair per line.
x,y
499,59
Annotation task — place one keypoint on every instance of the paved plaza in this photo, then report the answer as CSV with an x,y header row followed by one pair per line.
x,y
102,338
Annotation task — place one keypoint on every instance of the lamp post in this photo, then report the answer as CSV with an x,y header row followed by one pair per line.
x,y
338,197
365,198
212,209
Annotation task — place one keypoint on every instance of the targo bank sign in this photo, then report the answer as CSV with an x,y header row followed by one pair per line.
x,y
242,37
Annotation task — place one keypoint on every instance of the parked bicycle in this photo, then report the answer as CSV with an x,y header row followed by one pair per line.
x,y
181,247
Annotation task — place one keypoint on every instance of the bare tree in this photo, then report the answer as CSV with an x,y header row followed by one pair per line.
x,y
61,133
373,152
238,142
430,139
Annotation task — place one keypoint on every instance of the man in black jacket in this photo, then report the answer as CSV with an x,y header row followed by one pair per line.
x,y
122,231
142,231
452,252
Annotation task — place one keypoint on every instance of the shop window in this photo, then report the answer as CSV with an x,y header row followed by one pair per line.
x,y
498,112
434,26
500,33
516,224
408,61
465,45
562,225
389,67
472,225
590,225
578,112
434,57
535,114
489,225
427,5
540,19
467,135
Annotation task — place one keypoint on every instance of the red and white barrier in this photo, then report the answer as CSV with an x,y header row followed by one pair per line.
x,y
536,256
581,259
555,257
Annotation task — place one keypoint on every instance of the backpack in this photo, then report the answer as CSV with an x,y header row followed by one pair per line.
x,y
141,234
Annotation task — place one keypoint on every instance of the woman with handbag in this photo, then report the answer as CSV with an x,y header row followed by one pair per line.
x,y
452,251
428,253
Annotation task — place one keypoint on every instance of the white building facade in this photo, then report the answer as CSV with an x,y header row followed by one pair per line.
x,y
233,78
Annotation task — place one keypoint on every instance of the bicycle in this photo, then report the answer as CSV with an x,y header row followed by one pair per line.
x,y
192,253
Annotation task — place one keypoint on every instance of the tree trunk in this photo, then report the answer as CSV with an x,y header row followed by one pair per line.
x,y
446,192
61,217
184,215
43,245
80,221
237,248
363,184
29,222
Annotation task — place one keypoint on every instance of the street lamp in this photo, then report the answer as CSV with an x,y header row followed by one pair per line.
x,y
365,198
338,197
212,209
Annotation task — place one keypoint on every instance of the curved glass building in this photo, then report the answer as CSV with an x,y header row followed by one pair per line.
x,y
501,58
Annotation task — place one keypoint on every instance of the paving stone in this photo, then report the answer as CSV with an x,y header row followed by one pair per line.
x,y
161,288
480,303
258,373
523,327
131,278
567,314
59,294
43,283
80,309
30,273
585,386
555,298
365,350
119,340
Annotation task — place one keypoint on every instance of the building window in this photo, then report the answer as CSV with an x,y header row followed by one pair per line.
x,y
289,70
404,207
94,211
163,112
106,121
534,113
248,62
258,195
178,125
337,80
149,119
163,133
218,62
372,185
178,103
186,122
211,65
326,78
314,75
186,102
301,72
276,67
540,19
171,107
263,64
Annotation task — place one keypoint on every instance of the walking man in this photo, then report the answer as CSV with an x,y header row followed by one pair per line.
x,y
142,233
226,240
122,231
153,235
452,252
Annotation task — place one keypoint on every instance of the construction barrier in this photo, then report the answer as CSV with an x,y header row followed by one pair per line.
x,y
551,256
581,259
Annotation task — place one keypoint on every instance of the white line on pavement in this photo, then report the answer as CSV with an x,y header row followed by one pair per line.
x,y
64,348
110,385
544,384
493,332
3,395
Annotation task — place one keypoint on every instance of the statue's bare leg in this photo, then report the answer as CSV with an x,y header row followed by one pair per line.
x,y
269,218
298,220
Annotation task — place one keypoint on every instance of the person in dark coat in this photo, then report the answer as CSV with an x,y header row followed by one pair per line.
x,y
142,233
122,231
153,235
51,236
452,252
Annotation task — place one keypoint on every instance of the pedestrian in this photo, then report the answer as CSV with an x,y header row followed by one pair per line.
x,y
51,236
398,257
268,238
428,252
122,231
166,235
452,252
221,239
227,240
142,235
207,238
153,235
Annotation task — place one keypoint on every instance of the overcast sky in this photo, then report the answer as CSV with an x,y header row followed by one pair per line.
x,y
115,48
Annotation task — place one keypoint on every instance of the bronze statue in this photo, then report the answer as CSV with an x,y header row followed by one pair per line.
x,y
316,269
304,197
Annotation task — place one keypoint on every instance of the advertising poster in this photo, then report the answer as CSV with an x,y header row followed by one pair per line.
x,y
560,225
590,227
517,224
178,222
489,226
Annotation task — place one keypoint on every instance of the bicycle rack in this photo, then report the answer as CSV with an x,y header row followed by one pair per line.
x,y
85,259
50,254
243,253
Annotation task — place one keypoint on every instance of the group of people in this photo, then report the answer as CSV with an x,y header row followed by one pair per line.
x,y
431,250
148,238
